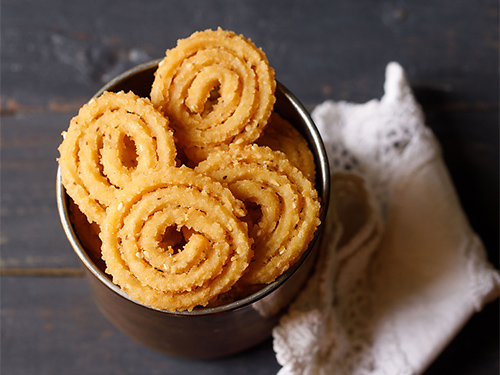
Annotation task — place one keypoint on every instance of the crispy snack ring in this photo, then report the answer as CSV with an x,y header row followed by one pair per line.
x,y
282,205
280,135
173,240
217,88
113,139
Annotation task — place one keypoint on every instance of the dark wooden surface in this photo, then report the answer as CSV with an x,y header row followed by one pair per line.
x,y
55,54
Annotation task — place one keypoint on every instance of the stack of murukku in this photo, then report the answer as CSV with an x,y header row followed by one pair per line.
x,y
200,193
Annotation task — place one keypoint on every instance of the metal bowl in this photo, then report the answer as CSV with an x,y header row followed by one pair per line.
x,y
204,332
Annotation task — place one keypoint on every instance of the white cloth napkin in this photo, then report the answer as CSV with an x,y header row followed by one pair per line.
x,y
400,270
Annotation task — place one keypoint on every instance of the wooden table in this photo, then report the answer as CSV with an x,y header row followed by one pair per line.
x,y
56,54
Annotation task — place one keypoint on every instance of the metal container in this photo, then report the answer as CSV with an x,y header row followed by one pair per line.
x,y
204,332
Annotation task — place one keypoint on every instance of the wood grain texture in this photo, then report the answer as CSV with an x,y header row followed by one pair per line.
x,y
51,326
56,54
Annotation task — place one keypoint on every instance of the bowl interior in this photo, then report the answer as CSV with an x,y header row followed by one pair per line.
x,y
139,80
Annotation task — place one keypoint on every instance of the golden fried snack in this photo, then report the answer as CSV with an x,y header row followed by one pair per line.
x,y
282,205
280,135
113,139
173,239
217,88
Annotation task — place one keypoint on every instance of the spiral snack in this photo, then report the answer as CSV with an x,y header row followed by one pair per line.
x,y
200,195
217,88
280,135
113,139
173,240
282,205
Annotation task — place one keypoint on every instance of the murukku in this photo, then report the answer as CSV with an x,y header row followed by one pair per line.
x,y
200,195
282,205
280,134
173,239
217,88
113,139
